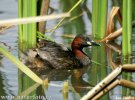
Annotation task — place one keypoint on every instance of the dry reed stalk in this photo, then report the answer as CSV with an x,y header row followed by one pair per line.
x,y
115,47
104,91
3,28
129,67
112,35
45,83
110,27
44,11
103,83
115,34
109,56
109,53
32,19
119,16
68,36
127,83
122,82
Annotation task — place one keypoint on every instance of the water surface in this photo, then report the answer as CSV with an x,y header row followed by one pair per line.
x,y
13,82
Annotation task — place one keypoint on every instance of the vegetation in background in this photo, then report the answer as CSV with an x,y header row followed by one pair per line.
x,y
76,26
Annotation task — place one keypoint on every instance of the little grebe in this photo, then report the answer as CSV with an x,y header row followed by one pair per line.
x,y
58,56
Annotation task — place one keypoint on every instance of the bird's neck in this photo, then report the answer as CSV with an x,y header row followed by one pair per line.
x,y
81,56
78,53
77,49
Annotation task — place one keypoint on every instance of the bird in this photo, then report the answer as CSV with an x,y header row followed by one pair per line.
x,y
58,56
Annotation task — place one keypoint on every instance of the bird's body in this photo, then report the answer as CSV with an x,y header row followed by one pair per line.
x,y
58,56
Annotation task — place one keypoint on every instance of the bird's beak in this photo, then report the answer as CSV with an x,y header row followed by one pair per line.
x,y
93,43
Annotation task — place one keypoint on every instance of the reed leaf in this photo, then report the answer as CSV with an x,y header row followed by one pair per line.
x,y
65,91
127,27
20,65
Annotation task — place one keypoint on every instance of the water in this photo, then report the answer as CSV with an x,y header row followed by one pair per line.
x,y
13,82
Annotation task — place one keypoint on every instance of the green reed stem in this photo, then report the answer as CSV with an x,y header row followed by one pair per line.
x,y
32,27
126,75
99,16
20,26
65,91
27,32
127,27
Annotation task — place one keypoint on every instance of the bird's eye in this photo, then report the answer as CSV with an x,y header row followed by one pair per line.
x,y
42,44
88,39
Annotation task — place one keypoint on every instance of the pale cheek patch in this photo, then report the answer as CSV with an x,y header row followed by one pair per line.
x,y
89,43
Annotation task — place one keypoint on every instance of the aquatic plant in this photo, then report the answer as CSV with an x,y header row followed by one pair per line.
x,y
99,18
127,27
27,32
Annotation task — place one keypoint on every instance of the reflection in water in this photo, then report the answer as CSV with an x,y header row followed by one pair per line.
x,y
6,88
99,69
1,12
2,91
80,85
115,59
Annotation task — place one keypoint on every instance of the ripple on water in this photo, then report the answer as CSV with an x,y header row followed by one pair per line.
x,y
9,74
